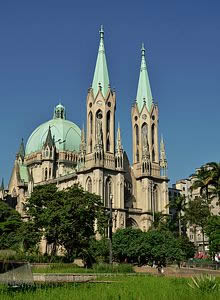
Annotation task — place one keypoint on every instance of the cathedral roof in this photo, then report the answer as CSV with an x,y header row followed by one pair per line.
x,y
144,90
101,71
66,134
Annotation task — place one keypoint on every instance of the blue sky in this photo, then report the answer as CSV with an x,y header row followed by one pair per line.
x,y
48,51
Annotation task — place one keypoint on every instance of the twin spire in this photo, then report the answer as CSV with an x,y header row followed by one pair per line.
x,y
101,77
144,94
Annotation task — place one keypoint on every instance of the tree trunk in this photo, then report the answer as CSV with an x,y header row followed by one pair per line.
x,y
179,221
203,241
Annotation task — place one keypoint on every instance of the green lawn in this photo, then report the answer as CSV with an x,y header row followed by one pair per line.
x,y
123,287
71,268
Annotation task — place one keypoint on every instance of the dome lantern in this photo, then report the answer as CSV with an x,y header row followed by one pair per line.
x,y
59,112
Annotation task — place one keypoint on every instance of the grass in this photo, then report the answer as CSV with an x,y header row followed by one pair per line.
x,y
123,288
71,268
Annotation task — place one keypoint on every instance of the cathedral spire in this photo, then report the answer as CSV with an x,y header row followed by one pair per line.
x,y
101,78
163,159
144,89
2,187
119,142
21,151
49,140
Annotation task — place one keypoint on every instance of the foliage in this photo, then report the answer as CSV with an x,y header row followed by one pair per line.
x,y
30,237
203,181
197,213
188,248
212,230
72,268
177,205
159,248
155,246
119,287
66,218
159,221
99,250
124,244
10,223
204,283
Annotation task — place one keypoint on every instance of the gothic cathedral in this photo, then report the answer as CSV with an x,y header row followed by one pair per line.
x,y
59,152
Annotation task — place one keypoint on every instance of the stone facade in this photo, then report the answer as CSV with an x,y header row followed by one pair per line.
x,y
100,164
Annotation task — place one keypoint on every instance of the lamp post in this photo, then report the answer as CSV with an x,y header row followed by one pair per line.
x,y
58,162
110,229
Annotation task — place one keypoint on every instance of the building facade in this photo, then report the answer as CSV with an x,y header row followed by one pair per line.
x,y
61,153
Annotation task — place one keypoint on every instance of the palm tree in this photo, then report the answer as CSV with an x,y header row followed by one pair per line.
x,y
215,178
158,220
203,181
178,205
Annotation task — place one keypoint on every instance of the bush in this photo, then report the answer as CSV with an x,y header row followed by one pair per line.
x,y
204,283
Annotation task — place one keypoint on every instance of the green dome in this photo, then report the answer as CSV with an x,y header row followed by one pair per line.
x,y
61,130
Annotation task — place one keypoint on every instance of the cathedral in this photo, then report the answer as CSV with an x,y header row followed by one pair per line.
x,y
61,153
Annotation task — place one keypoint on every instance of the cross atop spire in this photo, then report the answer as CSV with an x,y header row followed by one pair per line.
x,y
144,90
101,77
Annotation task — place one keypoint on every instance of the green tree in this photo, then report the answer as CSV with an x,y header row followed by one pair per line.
x,y
197,214
214,170
203,180
125,244
188,248
178,205
212,230
67,218
10,223
159,221
159,248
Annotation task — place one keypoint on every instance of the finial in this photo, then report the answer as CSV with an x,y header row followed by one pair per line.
x,y
142,50
101,31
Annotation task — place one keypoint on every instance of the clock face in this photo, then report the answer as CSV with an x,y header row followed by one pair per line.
x,y
144,117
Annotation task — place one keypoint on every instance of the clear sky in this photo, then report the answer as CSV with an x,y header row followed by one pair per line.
x,y
48,51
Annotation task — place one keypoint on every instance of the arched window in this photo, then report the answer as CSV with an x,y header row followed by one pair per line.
x,y
144,133
136,134
89,184
108,119
137,156
130,222
90,122
108,144
153,155
90,146
46,174
152,133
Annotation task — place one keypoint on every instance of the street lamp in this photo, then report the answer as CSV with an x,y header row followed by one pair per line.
x,y
110,228
58,162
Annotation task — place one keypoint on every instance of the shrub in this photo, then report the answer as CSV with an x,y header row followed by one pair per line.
x,y
204,283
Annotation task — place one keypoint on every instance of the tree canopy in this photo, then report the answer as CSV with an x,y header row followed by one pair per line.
x,y
10,224
66,218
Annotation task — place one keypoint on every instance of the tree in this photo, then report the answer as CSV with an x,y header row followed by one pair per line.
x,y
125,244
10,223
159,221
187,247
159,248
212,230
203,181
67,218
178,205
214,170
197,214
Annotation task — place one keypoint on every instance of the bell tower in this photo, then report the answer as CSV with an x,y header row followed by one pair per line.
x,y
150,187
